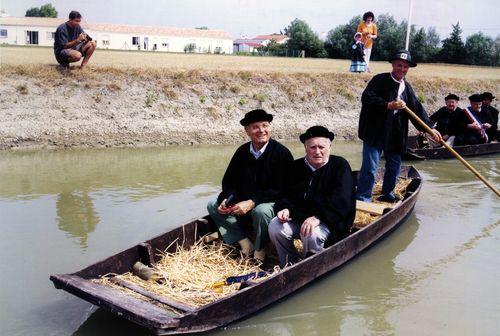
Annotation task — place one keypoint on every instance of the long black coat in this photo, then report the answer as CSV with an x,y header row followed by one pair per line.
x,y
442,119
327,193
380,127
261,180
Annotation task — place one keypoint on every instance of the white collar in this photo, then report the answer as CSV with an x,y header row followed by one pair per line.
x,y
258,153
310,166
394,79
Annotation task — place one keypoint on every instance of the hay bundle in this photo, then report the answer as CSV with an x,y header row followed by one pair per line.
x,y
363,219
399,190
187,275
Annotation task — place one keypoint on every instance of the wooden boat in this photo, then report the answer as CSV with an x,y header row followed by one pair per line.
x,y
416,153
232,307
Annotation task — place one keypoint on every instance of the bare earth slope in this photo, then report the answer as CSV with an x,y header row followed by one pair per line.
x,y
138,99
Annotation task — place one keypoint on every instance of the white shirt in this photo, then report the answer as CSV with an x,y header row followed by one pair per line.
x,y
257,153
401,89
313,168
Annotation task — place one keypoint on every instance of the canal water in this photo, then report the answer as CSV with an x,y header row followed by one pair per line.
x,y
438,274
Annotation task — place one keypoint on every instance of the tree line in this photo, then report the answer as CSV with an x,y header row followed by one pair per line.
x,y
425,44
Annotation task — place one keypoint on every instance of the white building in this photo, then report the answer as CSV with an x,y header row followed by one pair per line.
x,y
41,31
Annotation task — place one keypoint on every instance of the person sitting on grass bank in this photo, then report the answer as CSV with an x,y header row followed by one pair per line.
x,y
254,180
71,43
383,126
318,204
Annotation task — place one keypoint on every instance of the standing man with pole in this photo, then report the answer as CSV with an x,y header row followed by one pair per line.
x,y
383,126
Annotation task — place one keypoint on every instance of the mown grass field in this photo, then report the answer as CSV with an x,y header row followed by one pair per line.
x,y
155,60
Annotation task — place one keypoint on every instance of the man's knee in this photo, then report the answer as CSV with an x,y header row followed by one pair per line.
x,y
275,227
212,206
263,211
74,56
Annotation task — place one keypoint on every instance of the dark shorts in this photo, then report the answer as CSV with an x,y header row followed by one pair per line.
x,y
63,55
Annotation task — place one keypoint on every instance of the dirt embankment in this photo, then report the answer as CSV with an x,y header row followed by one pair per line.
x,y
42,107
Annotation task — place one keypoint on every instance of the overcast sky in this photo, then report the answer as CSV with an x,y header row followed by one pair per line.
x,y
253,17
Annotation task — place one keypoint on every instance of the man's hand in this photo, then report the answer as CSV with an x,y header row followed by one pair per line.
x,y
306,229
487,125
396,104
436,136
474,126
446,137
223,210
81,37
242,208
284,216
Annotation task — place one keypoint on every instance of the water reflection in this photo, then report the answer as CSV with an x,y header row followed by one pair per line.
x,y
76,214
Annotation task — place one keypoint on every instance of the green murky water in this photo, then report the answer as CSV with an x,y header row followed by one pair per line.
x,y
60,211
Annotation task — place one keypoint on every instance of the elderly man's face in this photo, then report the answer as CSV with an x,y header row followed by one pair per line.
x,y
317,151
451,104
259,133
476,106
400,69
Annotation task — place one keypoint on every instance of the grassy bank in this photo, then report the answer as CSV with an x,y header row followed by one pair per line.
x,y
195,99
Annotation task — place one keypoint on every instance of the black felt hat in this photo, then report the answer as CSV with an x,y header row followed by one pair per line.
x,y
403,55
256,115
488,95
452,96
316,131
476,98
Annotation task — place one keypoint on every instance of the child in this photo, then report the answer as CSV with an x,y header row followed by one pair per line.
x,y
358,55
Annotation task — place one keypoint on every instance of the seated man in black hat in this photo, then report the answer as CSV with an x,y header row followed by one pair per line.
x,y
471,126
487,99
442,119
253,181
318,205
383,126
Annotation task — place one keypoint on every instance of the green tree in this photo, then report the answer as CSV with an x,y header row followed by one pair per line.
x,y
391,37
46,10
303,38
424,45
480,50
340,39
497,51
452,50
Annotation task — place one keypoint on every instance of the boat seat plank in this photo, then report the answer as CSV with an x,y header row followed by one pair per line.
x,y
371,208
117,301
146,293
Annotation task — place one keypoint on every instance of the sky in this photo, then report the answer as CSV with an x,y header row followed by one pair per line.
x,y
253,17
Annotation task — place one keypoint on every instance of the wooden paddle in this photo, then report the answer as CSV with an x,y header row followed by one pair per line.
x,y
452,151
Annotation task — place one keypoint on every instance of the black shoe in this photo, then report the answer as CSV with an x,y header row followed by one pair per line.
x,y
388,198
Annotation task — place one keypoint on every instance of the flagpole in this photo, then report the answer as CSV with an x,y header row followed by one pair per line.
x,y
408,28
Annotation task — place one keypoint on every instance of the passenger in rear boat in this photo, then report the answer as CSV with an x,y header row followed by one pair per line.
x,y
253,181
318,204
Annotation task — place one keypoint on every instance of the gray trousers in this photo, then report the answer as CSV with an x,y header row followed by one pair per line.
x,y
282,236
232,229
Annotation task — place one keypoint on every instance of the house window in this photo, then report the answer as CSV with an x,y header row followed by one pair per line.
x,y
51,35
136,40
105,42
3,32
31,37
